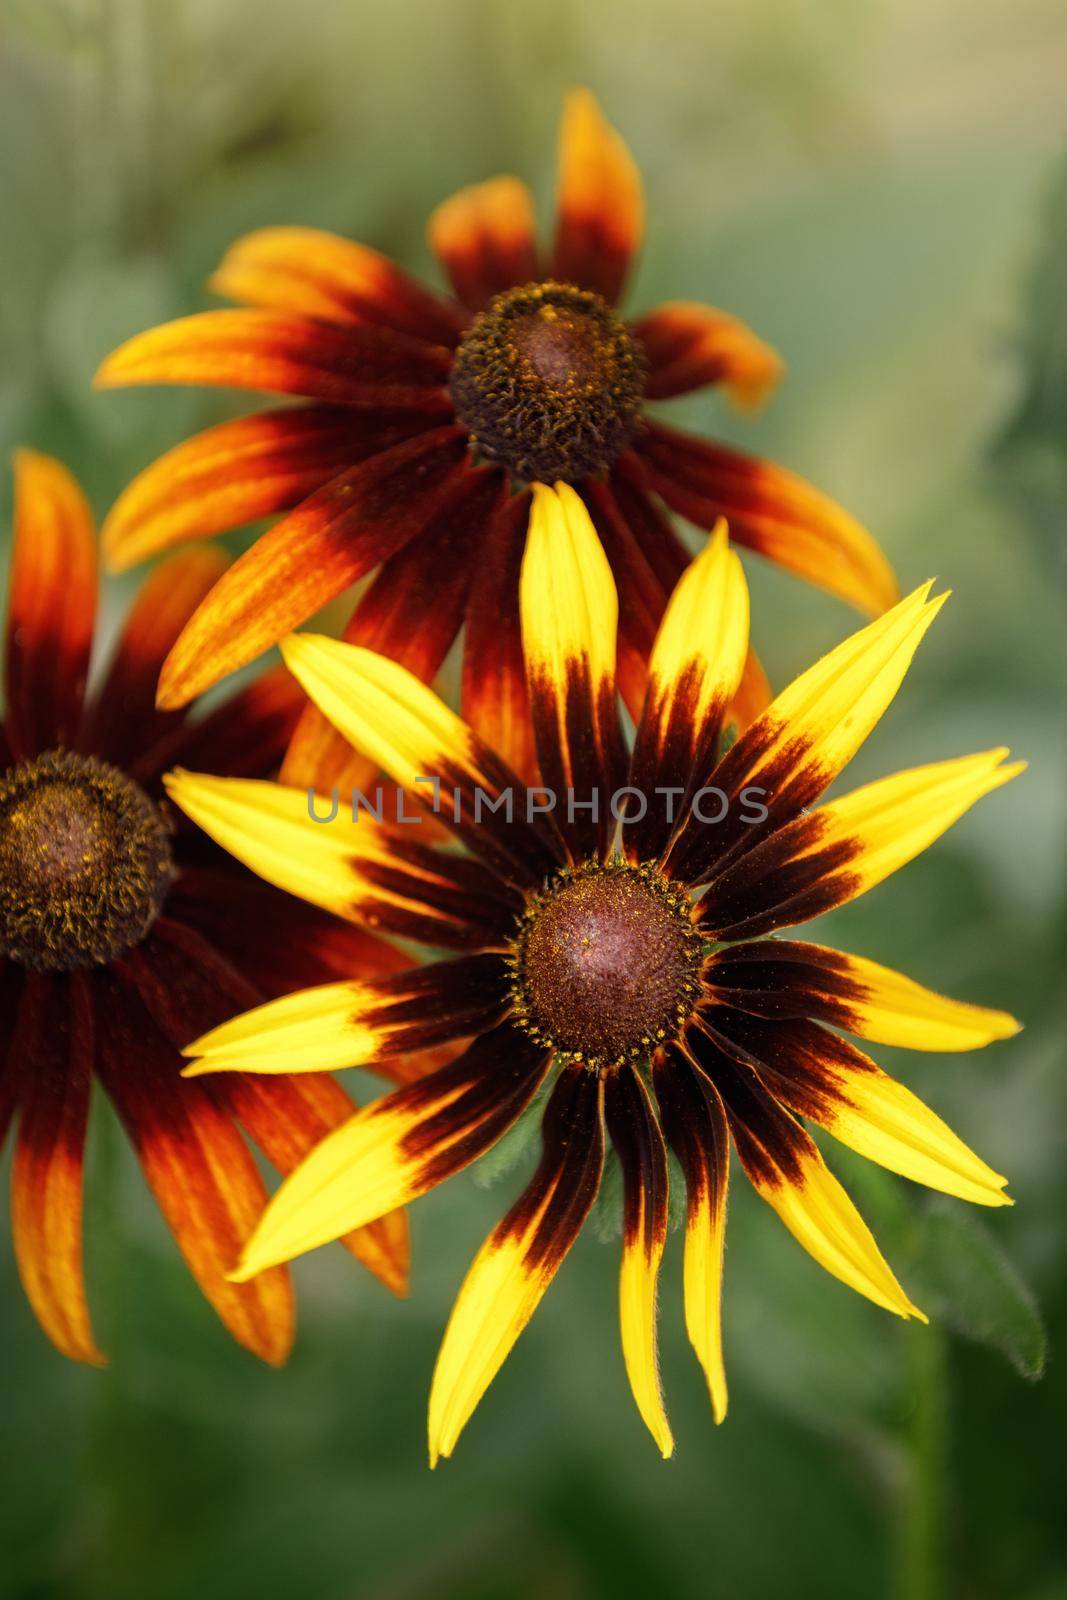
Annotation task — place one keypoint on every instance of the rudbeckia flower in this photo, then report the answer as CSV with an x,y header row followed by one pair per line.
x,y
627,969
124,932
428,419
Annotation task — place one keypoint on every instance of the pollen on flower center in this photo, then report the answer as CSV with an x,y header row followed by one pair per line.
x,y
548,382
85,862
605,963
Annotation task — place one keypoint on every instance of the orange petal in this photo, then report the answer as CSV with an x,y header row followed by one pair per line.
x,y
241,471
412,613
600,200
771,511
321,275
124,722
51,606
198,1167
690,345
55,1034
358,520
281,353
754,694
484,237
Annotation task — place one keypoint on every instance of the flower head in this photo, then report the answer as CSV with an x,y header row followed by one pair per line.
x,y
123,933
426,422
617,951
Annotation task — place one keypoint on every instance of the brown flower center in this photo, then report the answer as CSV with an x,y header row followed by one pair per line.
x,y
605,965
85,862
549,382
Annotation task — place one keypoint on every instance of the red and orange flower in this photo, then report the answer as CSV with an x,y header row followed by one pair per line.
x,y
428,420
629,967
124,932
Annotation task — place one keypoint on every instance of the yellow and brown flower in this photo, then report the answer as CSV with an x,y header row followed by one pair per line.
x,y
124,932
428,420
631,964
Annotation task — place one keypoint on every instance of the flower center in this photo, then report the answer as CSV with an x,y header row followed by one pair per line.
x,y
548,382
605,964
85,862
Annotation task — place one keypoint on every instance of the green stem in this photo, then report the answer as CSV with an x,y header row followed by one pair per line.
x,y
922,1554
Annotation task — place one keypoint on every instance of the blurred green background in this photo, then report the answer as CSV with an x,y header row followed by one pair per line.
x,y
880,188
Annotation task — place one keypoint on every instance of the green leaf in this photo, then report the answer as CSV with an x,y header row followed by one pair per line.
x,y
951,1264
961,1276
511,1148
606,1216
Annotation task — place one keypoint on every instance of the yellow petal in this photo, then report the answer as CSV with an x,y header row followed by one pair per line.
x,y
882,1120
805,737
892,1009
793,978
570,615
385,712
315,1030
695,1124
833,706
636,1136
821,1217
397,1148
570,611
831,855
351,1024
337,865
520,1257
699,654
890,822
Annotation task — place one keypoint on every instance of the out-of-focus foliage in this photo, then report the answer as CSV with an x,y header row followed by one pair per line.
x,y
871,186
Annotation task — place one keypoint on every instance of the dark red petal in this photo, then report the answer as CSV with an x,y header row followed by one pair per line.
x,y
642,597
51,607
277,942
122,722
244,738
198,1167
12,979
494,696
55,1039
689,345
